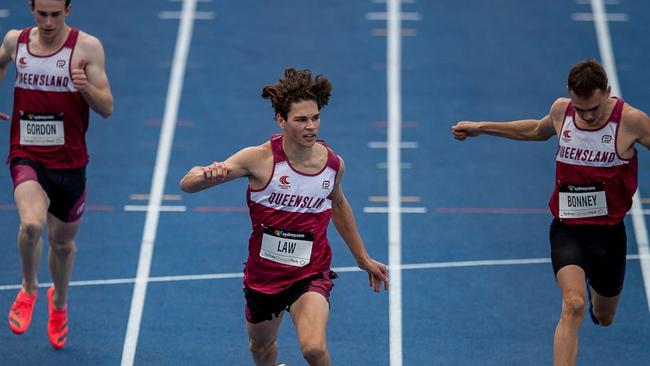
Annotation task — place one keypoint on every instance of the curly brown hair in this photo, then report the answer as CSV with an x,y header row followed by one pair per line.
x,y
586,77
297,86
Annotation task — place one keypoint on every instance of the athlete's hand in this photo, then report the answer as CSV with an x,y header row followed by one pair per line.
x,y
377,273
4,117
464,129
79,76
217,171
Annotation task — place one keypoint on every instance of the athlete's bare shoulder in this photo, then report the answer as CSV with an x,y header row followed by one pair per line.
x,y
263,150
89,48
88,40
630,112
635,120
9,42
556,113
253,158
560,105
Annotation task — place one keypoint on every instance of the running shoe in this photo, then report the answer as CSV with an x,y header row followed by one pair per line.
x,y
57,322
20,315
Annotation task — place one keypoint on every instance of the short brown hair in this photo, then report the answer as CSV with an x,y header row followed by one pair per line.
x,y
297,86
31,2
586,77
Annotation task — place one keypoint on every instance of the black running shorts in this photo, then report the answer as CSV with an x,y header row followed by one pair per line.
x,y
598,249
261,307
66,188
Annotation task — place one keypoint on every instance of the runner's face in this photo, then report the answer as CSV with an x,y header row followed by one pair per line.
x,y
590,109
50,17
302,124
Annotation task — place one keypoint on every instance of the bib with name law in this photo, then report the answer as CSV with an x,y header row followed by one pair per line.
x,y
287,247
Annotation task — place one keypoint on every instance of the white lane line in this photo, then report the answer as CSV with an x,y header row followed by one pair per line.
x,y
589,17
145,197
638,220
175,15
383,32
387,144
383,210
141,208
224,276
403,199
384,1
608,2
410,16
394,175
174,91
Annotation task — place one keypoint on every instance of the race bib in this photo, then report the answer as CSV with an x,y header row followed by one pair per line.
x,y
287,247
44,129
577,201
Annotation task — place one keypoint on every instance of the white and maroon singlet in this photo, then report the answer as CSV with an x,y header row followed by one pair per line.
x,y
50,117
290,216
593,184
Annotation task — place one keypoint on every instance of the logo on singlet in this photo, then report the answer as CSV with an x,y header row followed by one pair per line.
x,y
60,64
566,135
284,182
606,139
22,62
326,184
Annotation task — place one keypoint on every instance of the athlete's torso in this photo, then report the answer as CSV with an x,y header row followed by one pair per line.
x,y
50,117
593,184
289,217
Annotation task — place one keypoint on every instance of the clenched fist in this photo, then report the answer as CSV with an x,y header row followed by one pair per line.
x,y
79,76
217,171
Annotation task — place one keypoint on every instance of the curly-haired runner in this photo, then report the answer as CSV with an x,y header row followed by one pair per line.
x,y
294,189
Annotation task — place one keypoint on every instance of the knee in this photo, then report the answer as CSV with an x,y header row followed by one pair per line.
x,y
258,348
573,307
62,247
313,351
31,230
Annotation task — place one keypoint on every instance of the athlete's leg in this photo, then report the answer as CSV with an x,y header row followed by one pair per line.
x,y
32,203
310,313
607,272
262,341
571,280
61,256
604,308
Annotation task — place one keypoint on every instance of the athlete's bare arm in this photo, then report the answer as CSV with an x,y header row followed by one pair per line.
x,y
635,127
644,129
7,50
89,74
255,162
526,129
345,224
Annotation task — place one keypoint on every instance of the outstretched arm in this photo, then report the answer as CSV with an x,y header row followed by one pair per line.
x,y
89,76
526,129
346,226
238,165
